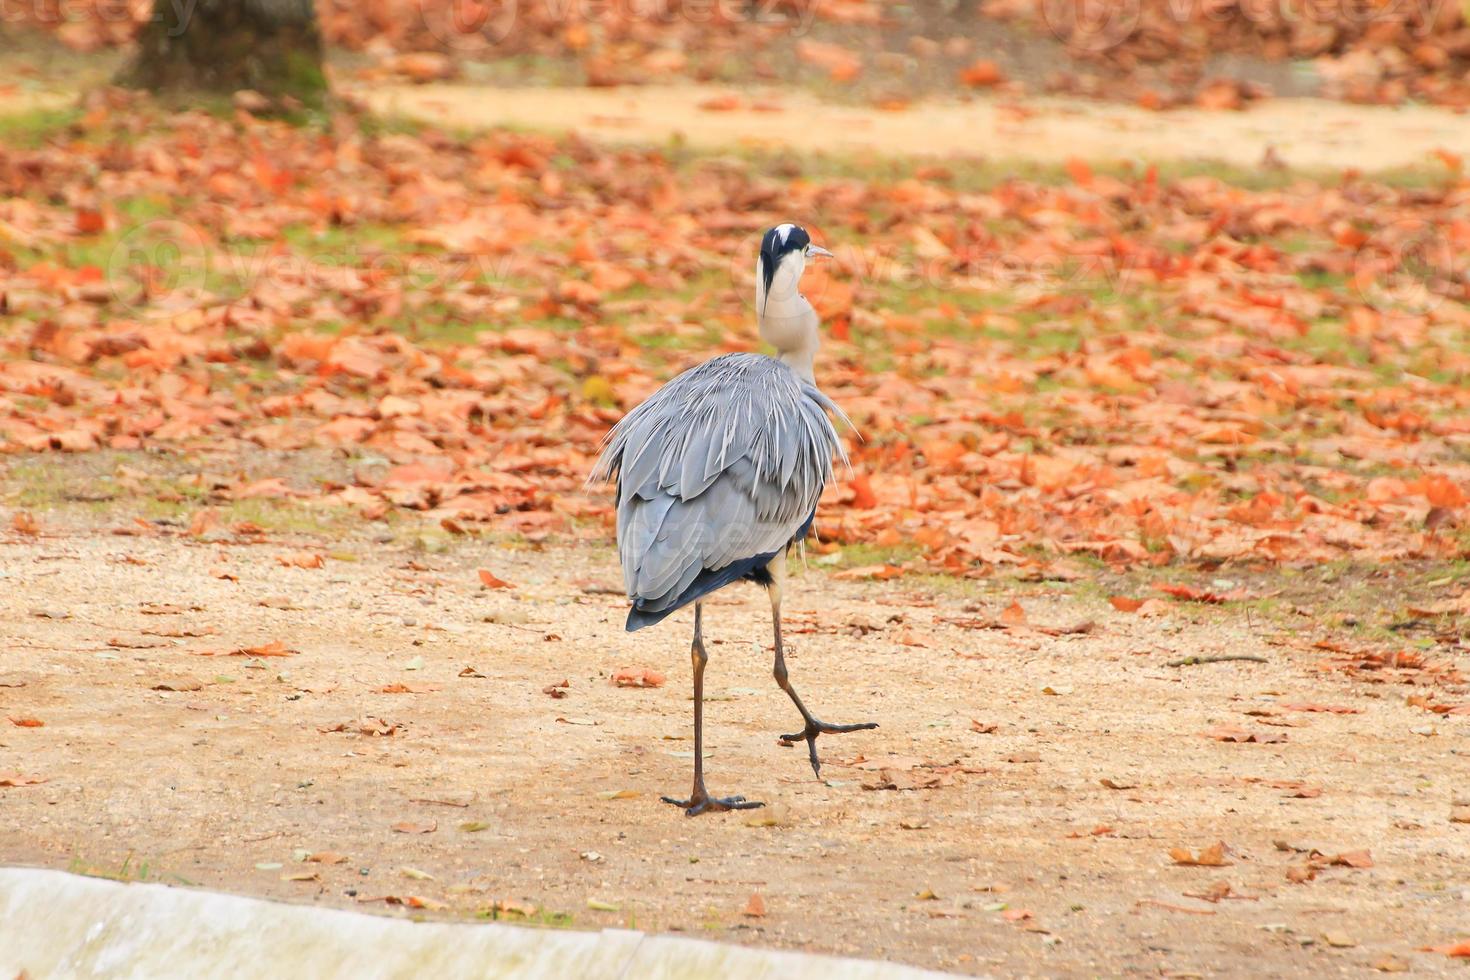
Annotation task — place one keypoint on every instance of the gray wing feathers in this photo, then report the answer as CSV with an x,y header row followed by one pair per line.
x,y
723,463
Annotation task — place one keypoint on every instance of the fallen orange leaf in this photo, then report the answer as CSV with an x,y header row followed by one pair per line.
x,y
981,74
639,677
1234,733
1354,859
1013,615
489,580
203,522
1211,857
275,648
879,572
1460,949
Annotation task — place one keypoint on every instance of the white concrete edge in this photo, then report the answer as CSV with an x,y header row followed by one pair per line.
x,y
56,925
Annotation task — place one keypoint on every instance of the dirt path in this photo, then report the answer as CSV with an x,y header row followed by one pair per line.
x,y
1305,133
510,795
16,101
1302,133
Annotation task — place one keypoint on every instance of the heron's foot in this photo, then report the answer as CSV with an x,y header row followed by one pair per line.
x,y
815,727
702,802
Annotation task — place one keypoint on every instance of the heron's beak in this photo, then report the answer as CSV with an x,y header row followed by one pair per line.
x,y
818,250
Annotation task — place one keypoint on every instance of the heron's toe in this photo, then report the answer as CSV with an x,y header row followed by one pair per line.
x,y
713,804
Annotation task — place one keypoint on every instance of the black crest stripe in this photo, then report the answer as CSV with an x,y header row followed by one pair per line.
x,y
773,248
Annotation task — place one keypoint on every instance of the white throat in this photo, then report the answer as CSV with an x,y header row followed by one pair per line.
x,y
787,321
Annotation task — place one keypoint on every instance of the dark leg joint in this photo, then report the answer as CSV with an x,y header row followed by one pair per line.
x,y
814,727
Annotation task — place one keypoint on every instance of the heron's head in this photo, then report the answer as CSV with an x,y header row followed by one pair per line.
x,y
784,251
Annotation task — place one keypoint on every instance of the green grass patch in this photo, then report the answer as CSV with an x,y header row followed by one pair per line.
x,y
131,869
32,128
984,174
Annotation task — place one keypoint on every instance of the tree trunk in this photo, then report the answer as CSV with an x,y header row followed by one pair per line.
x,y
271,46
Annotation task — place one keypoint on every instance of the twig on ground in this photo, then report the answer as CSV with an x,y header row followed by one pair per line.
x,y
1172,907
1076,629
420,799
1221,658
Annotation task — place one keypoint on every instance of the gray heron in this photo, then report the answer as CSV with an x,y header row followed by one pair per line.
x,y
718,475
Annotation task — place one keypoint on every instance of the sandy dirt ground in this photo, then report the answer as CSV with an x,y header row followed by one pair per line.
x,y
407,739
390,716
1308,134
1304,133
15,102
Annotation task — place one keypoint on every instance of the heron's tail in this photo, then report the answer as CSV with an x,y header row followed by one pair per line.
x,y
638,618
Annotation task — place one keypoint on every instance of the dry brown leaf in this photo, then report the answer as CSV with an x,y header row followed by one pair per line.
x,y
865,572
407,901
204,520
275,648
180,684
490,581
1013,615
1234,733
1336,709
910,779
1099,830
364,726
1300,873
1460,949
638,677
721,103
982,74
511,907
1211,857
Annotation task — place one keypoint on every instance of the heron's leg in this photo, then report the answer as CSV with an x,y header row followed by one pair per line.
x,y
814,725
699,800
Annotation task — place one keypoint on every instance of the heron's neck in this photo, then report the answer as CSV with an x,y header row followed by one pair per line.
x,y
801,362
789,324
